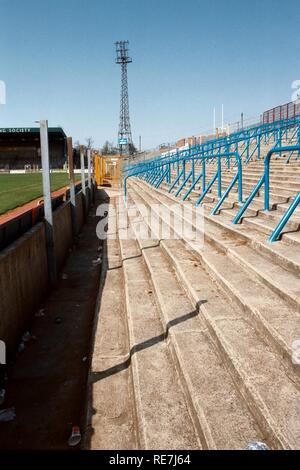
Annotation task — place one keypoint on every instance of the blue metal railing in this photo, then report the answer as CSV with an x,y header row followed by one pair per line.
x,y
277,232
156,174
186,179
238,178
254,134
158,170
265,181
201,176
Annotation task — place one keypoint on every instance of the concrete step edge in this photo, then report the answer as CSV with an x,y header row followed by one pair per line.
x,y
270,427
277,343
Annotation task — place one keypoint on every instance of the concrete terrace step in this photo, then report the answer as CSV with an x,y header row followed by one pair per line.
x,y
286,189
274,274
293,238
254,170
252,174
245,352
196,192
274,196
279,252
284,179
136,397
258,205
256,237
270,218
164,421
275,176
111,409
231,206
278,177
259,232
289,185
224,422
252,295
280,193
282,208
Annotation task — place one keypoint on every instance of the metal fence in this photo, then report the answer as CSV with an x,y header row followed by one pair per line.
x,y
285,111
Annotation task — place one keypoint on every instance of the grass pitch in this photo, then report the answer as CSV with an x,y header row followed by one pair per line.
x,y
17,190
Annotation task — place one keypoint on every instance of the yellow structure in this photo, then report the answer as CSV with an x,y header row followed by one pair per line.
x,y
108,170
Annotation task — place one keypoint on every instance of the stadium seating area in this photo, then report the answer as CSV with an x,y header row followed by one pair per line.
x,y
210,323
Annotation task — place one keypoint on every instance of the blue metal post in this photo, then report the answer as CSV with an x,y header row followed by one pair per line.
x,y
279,143
175,182
258,148
249,200
186,195
207,189
275,235
248,149
193,170
203,174
220,202
236,151
125,187
183,184
163,176
227,149
264,180
219,177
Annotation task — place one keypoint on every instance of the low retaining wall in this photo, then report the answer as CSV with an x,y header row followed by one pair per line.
x,y
14,228
79,210
23,283
63,233
24,271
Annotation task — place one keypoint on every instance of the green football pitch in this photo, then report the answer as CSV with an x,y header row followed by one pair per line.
x,y
16,190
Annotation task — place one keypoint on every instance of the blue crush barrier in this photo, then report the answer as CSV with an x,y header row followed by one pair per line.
x,y
256,135
277,232
158,170
156,173
263,181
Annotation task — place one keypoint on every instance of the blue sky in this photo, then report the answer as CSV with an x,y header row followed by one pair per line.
x,y
57,59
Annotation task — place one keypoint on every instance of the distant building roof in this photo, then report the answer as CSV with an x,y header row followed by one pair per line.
x,y
7,132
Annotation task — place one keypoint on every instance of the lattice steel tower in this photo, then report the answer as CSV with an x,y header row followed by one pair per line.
x,y
124,128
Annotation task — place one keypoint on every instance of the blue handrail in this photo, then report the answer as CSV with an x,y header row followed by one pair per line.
x,y
163,176
176,181
202,176
218,177
207,189
157,175
184,183
160,170
254,133
296,132
263,181
225,195
276,234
